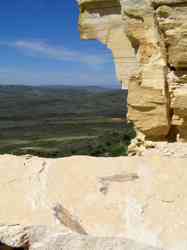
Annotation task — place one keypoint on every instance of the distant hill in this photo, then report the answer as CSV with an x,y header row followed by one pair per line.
x,y
93,88
37,118
24,102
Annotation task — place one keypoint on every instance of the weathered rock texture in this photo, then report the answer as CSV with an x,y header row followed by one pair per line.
x,y
148,39
50,238
82,202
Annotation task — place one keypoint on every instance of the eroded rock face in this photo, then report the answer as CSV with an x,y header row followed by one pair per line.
x,y
148,39
137,198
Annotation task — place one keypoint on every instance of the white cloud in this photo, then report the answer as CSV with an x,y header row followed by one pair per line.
x,y
32,77
100,70
45,50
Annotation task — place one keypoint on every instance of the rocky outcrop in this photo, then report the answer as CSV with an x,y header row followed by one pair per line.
x,y
93,203
149,46
50,238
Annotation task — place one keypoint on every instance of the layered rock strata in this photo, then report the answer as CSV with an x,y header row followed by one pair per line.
x,y
148,39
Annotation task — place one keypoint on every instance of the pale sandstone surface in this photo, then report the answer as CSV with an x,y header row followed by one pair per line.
x,y
149,46
75,242
142,199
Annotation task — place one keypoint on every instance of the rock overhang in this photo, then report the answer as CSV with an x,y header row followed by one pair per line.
x,y
148,42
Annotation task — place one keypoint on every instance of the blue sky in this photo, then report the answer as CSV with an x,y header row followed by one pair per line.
x,y
40,44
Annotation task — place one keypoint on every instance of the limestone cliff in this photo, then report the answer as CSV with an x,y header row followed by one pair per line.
x,y
148,39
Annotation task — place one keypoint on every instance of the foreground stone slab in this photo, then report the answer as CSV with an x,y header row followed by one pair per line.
x,y
138,198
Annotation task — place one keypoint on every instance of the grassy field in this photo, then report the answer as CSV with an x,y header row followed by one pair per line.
x,y
60,121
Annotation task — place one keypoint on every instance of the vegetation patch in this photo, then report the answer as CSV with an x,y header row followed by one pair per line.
x,y
63,121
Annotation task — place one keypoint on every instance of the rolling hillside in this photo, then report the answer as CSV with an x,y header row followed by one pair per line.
x,y
44,120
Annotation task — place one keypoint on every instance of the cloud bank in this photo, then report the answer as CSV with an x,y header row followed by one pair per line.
x,y
86,68
42,49
19,76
